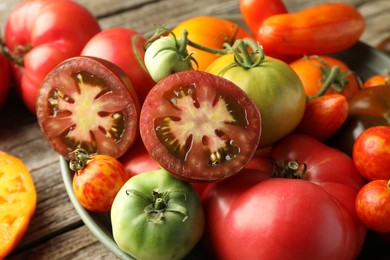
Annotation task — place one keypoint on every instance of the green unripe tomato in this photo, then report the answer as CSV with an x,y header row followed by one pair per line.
x,y
274,87
157,216
164,57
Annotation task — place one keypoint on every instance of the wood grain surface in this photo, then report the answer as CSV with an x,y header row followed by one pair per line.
x,y
56,230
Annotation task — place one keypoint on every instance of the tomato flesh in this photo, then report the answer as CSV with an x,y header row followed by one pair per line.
x,y
199,126
83,103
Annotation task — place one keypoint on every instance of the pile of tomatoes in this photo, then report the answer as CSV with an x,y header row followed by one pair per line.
x,y
217,139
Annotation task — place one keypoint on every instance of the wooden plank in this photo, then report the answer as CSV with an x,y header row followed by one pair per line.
x,y
78,243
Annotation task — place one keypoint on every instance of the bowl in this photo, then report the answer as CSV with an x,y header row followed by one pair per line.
x,y
361,58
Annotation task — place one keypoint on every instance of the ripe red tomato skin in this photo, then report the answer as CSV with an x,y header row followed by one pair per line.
x,y
254,12
373,205
96,185
115,45
5,79
227,202
323,116
49,28
321,29
371,153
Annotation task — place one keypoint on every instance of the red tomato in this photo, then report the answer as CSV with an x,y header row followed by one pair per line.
x,y
211,32
124,48
254,12
5,79
199,126
325,75
41,29
320,29
371,153
97,180
376,80
308,216
323,116
373,205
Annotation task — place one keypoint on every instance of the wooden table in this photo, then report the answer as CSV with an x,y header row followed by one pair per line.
x,y
56,231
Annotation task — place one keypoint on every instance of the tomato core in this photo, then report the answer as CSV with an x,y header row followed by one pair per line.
x,y
203,123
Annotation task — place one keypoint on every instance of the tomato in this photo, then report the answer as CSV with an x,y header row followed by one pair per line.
x,y
199,126
323,116
275,89
325,75
211,32
18,201
377,80
5,79
371,153
165,56
157,216
320,29
124,48
89,103
280,215
254,12
373,205
38,29
97,180
368,107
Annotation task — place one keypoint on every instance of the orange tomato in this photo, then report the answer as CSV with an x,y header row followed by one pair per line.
x,y
376,80
211,32
18,200
315,70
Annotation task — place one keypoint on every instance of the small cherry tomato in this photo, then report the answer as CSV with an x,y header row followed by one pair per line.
x,y
97,180
371,153
373,205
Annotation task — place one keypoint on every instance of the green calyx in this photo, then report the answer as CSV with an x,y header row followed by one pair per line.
x,y
81,158
332,77
158,203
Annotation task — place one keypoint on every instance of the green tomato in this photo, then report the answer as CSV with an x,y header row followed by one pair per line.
x,y
166,56
157,216
274,87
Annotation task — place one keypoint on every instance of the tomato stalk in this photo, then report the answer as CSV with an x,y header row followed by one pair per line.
x,y
17,56
158,204
80,160
332,77
289,169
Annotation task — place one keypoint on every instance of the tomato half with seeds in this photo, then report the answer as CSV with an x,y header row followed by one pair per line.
x,y
88,103
199,126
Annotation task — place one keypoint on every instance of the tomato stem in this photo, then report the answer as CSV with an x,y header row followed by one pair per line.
x,y
80,160
16,56
158,203
289,169
332,77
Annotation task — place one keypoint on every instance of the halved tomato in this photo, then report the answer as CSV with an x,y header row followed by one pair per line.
x,y
199,126
89,103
